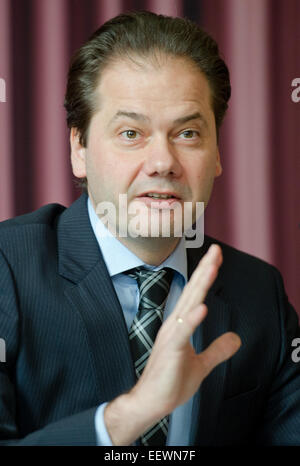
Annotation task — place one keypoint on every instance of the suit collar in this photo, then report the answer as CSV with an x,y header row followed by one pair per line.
x,y
78,250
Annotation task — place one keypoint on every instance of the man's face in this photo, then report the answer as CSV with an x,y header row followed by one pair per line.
x,y
154,132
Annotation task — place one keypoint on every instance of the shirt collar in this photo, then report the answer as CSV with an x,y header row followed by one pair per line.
x,y
123,259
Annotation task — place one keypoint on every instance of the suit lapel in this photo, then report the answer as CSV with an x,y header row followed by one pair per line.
x,y
207,399
93,296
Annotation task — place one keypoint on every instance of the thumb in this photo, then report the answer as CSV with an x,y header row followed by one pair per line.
x,y
221,349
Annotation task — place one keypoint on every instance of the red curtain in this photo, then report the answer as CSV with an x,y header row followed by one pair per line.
x,y
255,204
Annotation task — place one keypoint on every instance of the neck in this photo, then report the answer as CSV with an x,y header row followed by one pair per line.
x,y
152,251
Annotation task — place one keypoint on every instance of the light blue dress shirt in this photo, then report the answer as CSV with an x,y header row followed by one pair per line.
x,y
118,259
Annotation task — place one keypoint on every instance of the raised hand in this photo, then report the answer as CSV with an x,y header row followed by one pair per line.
x,y
174,371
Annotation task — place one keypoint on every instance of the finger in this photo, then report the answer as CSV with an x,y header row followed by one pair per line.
x,y
221,349
185,326
212,256
202,277
201,280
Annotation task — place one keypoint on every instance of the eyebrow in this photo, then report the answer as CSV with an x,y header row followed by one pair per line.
x,y
145,118
132,115
193,116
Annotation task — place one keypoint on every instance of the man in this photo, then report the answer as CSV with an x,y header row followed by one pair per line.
x,y
88,361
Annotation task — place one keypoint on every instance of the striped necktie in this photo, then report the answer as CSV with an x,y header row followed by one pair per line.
x,y
154,287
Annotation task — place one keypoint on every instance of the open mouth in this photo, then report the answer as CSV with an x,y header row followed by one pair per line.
x,y
163,200
159,195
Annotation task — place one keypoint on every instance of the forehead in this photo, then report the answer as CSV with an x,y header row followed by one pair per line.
x,y
174,84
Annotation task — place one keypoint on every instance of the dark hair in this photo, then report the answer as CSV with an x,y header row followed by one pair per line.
x,y
141,34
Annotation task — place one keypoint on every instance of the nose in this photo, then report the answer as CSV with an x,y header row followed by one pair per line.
x,y
162,159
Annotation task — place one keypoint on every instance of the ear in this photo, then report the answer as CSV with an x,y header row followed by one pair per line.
x,y
78,155
218,165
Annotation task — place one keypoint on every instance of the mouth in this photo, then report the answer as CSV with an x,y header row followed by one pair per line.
x,y
159,195
158,199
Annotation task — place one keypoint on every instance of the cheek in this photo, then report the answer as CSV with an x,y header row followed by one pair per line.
x,y
108,173
202,171
201,179
99,162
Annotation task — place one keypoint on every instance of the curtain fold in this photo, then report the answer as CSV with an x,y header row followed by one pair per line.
x,y
6,163
51,164
260,185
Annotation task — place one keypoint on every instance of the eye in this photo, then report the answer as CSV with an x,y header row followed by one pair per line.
x,y
188,134
130,134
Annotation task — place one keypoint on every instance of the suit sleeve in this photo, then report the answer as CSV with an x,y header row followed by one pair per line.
x,y
78,429
281,420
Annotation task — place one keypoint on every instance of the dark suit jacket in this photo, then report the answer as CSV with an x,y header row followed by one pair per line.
x,y
67,346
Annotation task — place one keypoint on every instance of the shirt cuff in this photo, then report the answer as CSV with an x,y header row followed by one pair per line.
x,y
102,437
